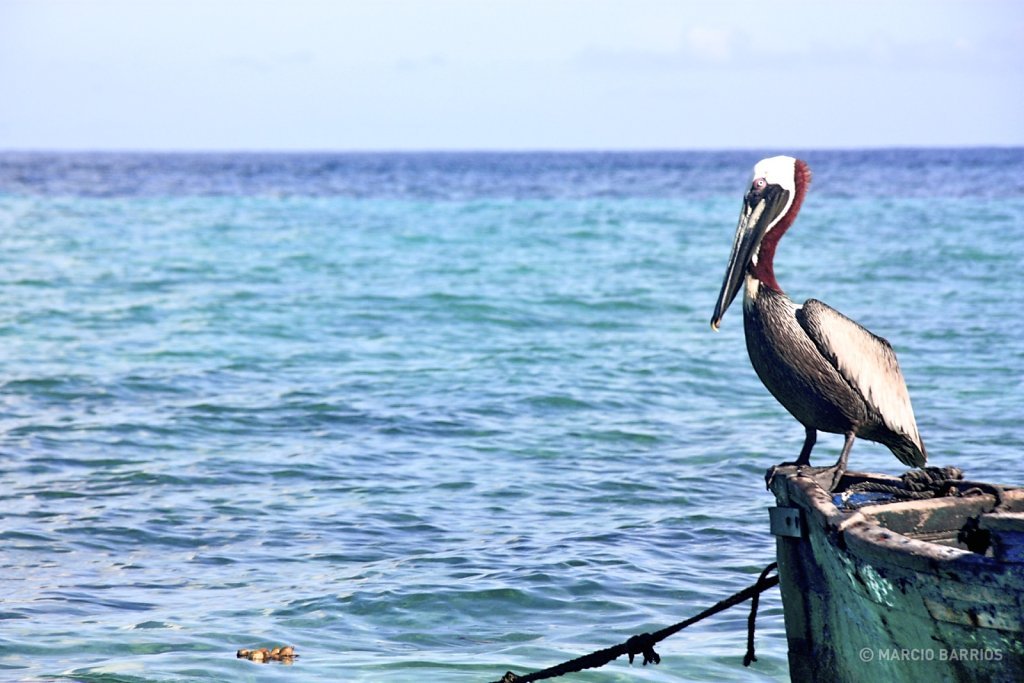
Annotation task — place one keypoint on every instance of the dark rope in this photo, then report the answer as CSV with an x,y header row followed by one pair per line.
x,y
930,482
752,619
644,643
931,478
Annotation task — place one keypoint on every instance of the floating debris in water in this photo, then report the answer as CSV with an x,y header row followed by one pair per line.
x,y
285,655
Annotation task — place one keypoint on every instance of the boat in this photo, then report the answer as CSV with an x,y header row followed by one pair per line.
x,y
878,588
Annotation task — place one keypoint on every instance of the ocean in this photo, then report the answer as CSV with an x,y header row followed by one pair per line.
x,y
439,416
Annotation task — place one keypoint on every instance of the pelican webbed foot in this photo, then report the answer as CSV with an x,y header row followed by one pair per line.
x,y
804,459
828,478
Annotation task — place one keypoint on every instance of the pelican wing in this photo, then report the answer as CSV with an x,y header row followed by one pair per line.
x,y
869,364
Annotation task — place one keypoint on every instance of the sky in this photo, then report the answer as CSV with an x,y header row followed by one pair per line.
x,y
354,75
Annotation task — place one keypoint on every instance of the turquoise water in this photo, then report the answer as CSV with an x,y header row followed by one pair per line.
x,y
446,415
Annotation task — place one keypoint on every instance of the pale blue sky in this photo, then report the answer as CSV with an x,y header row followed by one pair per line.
x,y
528,74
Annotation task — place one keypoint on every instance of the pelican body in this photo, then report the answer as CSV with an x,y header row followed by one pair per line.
x,y
830,373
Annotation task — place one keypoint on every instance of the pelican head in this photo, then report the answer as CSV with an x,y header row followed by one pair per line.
x,y
769,207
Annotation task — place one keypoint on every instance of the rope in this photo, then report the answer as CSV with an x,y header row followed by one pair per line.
x,y
644,643
752,619
930,482
931,478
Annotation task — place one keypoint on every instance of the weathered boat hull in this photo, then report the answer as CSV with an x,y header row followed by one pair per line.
x,y
884,594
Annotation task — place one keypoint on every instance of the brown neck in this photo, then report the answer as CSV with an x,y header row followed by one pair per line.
x,y
765,269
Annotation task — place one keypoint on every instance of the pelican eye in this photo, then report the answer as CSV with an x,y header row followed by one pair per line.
x,y
760,184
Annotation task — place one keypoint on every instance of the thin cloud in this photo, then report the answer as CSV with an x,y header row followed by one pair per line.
x,y
713,45
434,61
265,64
704,47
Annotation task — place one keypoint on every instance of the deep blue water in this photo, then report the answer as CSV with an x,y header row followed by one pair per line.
x,y
445,415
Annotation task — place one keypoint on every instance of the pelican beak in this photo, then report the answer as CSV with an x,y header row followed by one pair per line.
x,y
761,211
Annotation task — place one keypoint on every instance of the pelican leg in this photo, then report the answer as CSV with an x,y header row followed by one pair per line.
x,y
805,452
829,477
802,460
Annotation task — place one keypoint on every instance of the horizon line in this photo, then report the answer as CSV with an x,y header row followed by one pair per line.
x,y
503,150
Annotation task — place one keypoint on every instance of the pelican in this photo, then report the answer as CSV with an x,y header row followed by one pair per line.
x,y
830,373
